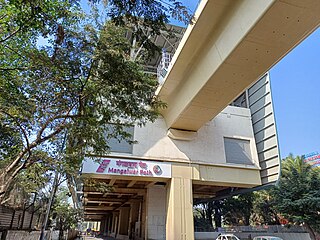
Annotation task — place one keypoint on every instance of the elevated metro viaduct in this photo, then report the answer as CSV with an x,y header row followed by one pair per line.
x,y
217,137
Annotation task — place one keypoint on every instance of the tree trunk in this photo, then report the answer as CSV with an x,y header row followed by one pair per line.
x,y
311,232
247,220
6,180
72,189
4,186
60,229
217,220
209,214
217,214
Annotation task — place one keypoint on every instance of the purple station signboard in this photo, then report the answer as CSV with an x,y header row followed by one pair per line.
x,y
127,167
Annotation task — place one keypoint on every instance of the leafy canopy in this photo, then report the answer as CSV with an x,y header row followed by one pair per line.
x,y
84,82
298,195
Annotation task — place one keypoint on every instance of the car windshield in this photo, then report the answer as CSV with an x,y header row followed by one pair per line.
x,y
231,238
268,238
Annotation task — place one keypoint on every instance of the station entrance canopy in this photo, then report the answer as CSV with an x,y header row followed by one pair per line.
x,y
127,179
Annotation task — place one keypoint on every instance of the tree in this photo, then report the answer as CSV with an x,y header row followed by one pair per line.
x,y
297,197
85,81
218,211
264,212
237,209
234,211
10,143
64,215
31,180
203,214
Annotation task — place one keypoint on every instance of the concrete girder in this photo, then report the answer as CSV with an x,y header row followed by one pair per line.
x,y
230,46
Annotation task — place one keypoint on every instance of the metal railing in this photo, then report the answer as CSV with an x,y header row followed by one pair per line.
x,y
163,65
252,229
18,219
264,228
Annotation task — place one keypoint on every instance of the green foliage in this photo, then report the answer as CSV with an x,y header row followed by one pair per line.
x,y
237,209
32,17
203,214
232,211
297,197
38,175
65,216
84,81
146,18
10,143
98,186
264,212
62,71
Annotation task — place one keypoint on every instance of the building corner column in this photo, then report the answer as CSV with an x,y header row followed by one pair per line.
x,y
179,224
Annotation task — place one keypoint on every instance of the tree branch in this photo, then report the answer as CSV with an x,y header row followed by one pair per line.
x,y
27,149
21,155
38,140
8,181
17,160
16,52
56,117
21,128
87,78
140,48
10,35
35,143
57,131
3,16
13,69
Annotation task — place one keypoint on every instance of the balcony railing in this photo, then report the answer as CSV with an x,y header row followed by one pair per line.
x,y
163,66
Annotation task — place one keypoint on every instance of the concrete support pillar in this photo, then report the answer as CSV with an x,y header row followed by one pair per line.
x,y
138,224
104,226
179,224
134,211
114,222
110,224
156,213
143,225
124,221
96,226
116,225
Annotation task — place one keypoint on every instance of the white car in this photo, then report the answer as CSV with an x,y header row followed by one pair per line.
x,y
227,237
267,238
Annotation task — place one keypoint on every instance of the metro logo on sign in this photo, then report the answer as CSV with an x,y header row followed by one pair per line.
x,y
103,166
157,170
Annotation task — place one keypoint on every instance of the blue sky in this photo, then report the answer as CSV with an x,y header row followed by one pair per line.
x,y
296,97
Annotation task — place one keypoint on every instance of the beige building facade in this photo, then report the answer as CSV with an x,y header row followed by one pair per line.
x,y
217,137
155,182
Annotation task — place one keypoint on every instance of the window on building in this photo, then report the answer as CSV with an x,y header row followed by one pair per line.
x,y
237,151
240,101
117,144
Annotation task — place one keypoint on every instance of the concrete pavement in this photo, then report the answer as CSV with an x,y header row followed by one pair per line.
x,y
97,238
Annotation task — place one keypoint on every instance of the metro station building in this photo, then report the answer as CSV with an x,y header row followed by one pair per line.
x,y
216,138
